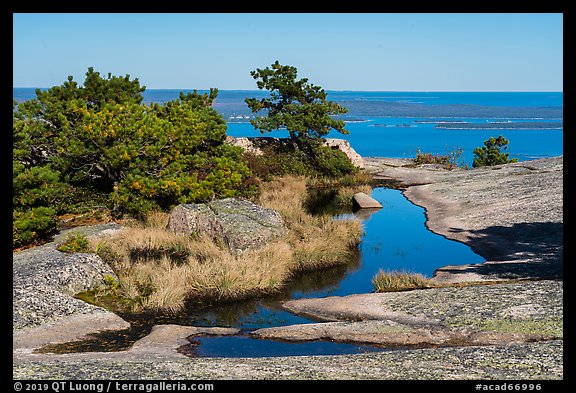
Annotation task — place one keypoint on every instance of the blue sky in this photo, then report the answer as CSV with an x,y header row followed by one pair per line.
x,y
338,51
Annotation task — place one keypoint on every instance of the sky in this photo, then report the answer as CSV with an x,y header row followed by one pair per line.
x,y
338,51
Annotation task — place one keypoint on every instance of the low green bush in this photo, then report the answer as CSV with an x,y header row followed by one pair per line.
x,y
75,242
80,148
33,225
331,162
449,160
300,157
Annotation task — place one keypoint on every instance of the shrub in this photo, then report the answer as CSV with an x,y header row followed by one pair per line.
x,y
303,157
75,242
276,161
490,154
38,196
77,147
331,162
429,158
32,225
38,186
448,161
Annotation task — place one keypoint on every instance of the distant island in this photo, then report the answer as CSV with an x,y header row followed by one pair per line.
x,y
501,125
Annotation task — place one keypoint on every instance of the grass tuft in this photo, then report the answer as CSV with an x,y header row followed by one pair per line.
x,y
395,281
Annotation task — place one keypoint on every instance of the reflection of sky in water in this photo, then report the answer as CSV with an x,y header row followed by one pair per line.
x,y
396,239
243,346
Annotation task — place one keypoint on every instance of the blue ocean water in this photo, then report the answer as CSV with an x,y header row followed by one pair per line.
x,y
399,124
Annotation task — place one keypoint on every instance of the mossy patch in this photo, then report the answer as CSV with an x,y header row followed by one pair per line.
x,y
550,328
106,299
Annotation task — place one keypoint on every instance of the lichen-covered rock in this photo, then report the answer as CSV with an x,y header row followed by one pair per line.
x,y
44,281
539,361
472,315
238,223
510,214
246,144
167,338
195,219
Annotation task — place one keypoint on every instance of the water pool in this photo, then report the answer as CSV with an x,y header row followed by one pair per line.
x,y
395,238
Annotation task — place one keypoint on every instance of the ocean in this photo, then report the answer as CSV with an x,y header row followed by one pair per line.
x,y
399,124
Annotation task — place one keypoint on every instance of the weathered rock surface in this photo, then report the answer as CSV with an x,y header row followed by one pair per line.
x,y
245,143
77,326
44,282
472,315
522,361
45,279
362,201
240,224
510,214
195,219
166,339
392,334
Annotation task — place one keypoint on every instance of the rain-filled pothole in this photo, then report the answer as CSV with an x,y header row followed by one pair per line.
x,y
395,238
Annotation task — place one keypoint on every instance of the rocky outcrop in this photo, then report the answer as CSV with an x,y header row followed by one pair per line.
x,y
255,145
473,315
166,339
246,144
362,201
195,219
238,223
391,334
511,214
344,146
44,283
541,361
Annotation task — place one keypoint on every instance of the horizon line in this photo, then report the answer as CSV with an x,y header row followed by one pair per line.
x,y
340,91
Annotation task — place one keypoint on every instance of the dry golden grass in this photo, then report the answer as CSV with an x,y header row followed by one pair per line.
x,y
317,241
395,281
356,179
159,269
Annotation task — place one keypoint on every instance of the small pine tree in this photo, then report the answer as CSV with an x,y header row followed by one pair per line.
x,y
294,104
490,154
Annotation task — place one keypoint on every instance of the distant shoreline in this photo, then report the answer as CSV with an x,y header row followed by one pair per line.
x,y
501,125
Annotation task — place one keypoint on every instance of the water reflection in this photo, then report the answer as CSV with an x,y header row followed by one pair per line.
x,y
395,238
